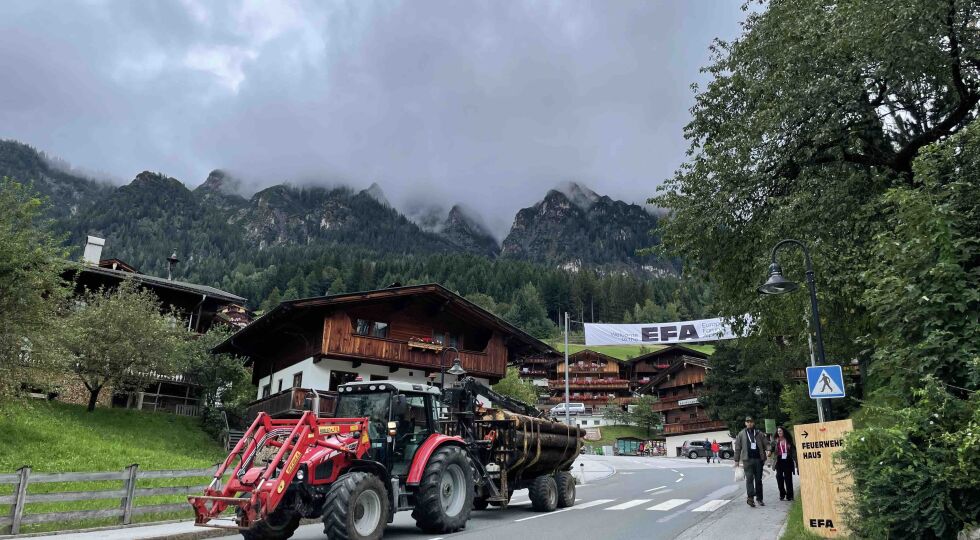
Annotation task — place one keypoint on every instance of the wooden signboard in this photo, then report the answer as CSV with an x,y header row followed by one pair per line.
x,y
823,486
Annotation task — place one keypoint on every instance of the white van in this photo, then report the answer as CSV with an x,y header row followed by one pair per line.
x,y
573,409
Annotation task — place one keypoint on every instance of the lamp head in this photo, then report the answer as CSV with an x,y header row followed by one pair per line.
x,y
777,284
457,368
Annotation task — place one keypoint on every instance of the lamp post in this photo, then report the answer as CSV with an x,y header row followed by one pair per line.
x,y
777,284
456,369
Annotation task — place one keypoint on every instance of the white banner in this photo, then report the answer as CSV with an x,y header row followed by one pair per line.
x,y
666,333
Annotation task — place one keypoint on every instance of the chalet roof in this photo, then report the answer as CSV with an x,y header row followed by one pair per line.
x,y
292,308
687,351
586,352
164,283
673,368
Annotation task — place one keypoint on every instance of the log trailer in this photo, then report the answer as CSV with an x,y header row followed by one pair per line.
x,y
392,446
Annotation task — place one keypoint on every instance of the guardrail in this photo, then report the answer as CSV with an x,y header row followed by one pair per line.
x,y
126,494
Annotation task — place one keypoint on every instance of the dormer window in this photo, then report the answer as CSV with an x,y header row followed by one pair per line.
x,y
378,329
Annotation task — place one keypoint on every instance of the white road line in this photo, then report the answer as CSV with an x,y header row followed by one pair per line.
x,y
590,504
682,474
678,480
654,489
544,514
673,470
518,503
625,473
711,506
629,504
668,505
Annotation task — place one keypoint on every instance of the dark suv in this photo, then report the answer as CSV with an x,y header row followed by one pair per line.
x,y
697,449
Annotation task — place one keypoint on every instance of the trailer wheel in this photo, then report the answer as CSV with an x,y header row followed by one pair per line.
x,y
566,489
543,492
280,525
356,508
445,495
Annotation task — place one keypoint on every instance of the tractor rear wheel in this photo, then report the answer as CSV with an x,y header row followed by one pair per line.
x,y
280,525
445,495
356,508
565,483
543,493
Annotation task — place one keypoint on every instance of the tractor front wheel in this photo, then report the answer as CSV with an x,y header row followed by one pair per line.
x,y
280,525
445,495
356,508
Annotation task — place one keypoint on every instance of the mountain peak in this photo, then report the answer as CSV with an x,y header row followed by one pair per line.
x,y
466,230
220,181
375,192
579,195
152,180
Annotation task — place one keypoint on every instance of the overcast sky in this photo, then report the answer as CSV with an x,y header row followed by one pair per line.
x,y
486,103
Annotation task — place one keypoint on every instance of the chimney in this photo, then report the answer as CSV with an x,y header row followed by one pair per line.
x,y
171,262
93,250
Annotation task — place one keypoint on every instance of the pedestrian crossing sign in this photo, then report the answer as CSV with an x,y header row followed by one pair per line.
x,y
825,382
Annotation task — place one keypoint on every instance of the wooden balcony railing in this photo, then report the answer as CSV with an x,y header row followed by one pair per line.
x,y
397,352
292,402
673,402
593,400
597,384
799,374
694,426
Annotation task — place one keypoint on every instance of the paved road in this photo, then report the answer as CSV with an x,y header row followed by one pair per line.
x,y
645,498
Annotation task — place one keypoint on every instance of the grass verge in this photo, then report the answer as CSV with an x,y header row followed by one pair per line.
x,y
59,437
794,526
611,433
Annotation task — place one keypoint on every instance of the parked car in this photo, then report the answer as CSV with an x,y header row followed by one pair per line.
x,y
573,408
697,449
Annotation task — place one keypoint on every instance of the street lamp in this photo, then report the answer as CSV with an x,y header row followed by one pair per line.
x,y
456,369
777,284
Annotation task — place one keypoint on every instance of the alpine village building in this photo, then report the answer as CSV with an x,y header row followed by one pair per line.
x,y
405,333
675,374
197,306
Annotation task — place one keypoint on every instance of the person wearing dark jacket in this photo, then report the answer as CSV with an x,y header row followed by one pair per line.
x,y
784,461
751,452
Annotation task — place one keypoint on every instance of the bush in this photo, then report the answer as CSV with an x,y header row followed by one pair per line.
x,y
916,470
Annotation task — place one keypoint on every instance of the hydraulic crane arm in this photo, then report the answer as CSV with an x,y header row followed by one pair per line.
x,y
475,387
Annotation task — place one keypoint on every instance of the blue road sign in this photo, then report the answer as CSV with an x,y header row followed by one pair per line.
x,y
825,381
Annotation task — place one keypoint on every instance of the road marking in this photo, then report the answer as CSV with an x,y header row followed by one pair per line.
x,y
629,504
544,514
678,480
518,503
654,489
596,502
625,473
711,506
668,505
673,470
682,474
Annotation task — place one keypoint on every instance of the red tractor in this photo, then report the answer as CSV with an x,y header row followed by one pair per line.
x,y
381,453
386,451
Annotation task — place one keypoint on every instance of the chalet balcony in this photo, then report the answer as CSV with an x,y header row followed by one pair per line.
x,y
694,426
292,403
593,400
675,402
799,374
395,352
594,384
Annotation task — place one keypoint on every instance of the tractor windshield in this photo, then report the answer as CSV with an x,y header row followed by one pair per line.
x,y
374,406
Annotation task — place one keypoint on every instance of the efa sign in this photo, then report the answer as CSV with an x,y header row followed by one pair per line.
x,y
823,486
666,333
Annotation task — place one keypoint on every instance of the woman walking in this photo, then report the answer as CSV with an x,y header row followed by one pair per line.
x,y
784,458
716,451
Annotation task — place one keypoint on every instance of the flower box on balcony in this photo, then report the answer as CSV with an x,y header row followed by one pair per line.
x,y
425,344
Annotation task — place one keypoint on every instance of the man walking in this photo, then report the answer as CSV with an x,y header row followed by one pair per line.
x,y
751,447
707,450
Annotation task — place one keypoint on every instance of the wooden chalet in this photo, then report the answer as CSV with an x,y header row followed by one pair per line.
x,y
197,306
595,379
678,388
406,333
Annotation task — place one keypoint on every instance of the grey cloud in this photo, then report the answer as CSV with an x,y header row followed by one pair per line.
x,y
485,103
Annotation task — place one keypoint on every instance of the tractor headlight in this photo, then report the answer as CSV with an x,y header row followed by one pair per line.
x,y
300,475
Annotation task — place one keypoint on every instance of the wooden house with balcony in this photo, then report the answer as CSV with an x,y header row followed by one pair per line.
x,y
595,379
405,333
678,388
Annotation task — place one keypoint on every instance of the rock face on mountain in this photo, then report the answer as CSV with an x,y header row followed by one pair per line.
x,y
576,227
221,190
464,230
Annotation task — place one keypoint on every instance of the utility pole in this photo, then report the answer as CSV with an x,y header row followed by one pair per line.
x,y
568,420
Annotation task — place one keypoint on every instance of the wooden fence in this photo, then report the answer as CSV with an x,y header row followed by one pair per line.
x,y
126,494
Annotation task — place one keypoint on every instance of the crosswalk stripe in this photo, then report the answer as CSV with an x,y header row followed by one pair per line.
x,y
629,504
590,504
711,506
654,489
667,505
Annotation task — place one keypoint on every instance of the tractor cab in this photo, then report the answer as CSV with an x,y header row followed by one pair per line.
x,y
401,417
